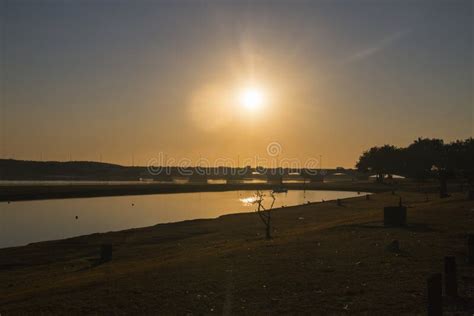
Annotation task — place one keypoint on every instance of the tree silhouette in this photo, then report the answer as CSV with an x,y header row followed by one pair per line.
x,y
423,158
382,161
264,213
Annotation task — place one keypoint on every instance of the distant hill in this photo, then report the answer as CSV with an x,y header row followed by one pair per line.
x,y
11,169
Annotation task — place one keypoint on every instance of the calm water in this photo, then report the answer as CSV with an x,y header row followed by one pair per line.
x,y
31,221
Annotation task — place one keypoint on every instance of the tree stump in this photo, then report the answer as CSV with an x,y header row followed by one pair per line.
x,y
106,253
443,188
395,216
450,276
470,248
435,295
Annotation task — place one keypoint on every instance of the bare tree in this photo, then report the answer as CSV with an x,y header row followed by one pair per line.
x,y
263,212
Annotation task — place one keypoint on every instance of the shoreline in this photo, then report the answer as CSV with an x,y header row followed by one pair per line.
x,y
362,194
45,192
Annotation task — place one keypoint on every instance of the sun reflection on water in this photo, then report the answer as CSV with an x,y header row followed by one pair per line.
x,y
248,201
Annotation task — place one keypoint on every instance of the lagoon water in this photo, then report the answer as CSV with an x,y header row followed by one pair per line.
x,y
32,221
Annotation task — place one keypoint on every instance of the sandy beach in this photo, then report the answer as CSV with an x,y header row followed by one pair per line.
x,y
335,257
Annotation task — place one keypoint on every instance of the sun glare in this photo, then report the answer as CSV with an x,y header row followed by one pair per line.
x,y
252,98
248,201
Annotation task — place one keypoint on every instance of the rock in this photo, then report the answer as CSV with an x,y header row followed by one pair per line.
x,y
394,246
106,253
395,216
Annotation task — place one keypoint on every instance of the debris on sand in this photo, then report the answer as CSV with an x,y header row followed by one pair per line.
x,y
393,246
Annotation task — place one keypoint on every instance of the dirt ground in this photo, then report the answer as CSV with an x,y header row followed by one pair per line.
x,y
324,259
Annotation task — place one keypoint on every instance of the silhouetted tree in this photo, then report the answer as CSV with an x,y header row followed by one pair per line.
x,y
460,156
422,155
423,158
263,212
382,161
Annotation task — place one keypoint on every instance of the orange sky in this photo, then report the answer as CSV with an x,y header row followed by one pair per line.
x,y
127,81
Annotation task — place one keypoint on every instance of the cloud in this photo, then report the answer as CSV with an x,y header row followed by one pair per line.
x,y
376,48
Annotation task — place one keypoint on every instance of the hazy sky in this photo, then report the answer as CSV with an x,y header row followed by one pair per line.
x,y
113,80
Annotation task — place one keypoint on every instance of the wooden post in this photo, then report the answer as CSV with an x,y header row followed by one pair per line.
x,y
471,195
443,188
435,298
395,216
367,197
105,253
470,248
450,276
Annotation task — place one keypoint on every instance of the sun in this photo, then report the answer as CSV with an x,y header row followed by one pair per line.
x,y
252,98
